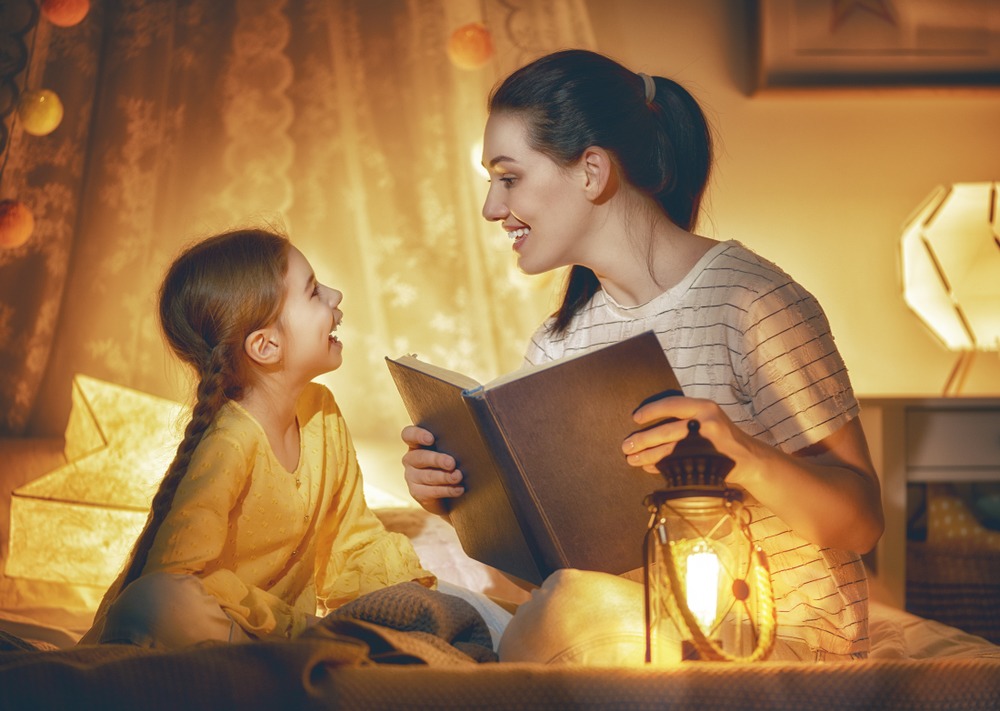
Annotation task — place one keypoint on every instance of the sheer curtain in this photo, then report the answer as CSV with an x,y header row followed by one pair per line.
x,y
341,122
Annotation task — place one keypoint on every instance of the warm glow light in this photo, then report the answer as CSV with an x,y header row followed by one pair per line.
x,y
77,523
40,112
16,224
476,157
951,265
470,46
702,585
65,13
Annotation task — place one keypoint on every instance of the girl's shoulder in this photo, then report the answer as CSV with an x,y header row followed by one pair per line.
x,y
316,401
317,393
235,423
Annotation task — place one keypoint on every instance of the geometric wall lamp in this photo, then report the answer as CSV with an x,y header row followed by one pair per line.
x,y
950,252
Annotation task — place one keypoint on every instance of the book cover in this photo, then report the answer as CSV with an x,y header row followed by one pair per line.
x,y
546,483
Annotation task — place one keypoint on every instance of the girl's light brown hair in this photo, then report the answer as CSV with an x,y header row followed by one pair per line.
x,y
213,296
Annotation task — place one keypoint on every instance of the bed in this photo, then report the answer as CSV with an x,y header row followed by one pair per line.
x,y
916,663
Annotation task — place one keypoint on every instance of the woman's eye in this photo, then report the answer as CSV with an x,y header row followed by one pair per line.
x,y
507,181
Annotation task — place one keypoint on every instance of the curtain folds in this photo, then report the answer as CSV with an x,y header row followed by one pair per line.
x,y
341,122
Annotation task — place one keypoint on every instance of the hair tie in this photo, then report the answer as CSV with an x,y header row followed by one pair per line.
x,y
650,87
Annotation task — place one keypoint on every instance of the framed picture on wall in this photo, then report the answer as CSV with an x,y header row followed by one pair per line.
x,y
837,44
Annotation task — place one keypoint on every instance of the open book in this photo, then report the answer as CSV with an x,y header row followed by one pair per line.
x,y
546,483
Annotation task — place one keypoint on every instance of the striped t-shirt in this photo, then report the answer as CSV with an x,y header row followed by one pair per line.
x,y
739,331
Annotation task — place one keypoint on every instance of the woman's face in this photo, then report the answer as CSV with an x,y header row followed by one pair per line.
x,y
541,206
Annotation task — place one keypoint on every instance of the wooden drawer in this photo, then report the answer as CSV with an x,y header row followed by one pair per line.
x,y
952,438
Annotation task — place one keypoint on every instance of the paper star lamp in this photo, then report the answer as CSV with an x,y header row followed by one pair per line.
x,y
77,523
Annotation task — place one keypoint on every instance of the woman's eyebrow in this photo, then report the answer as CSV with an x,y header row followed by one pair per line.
x,y
500,159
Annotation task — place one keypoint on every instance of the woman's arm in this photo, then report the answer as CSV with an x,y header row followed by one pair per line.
x,y
827,492
430,476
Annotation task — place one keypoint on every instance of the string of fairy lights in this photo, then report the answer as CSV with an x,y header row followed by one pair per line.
x,y
38,111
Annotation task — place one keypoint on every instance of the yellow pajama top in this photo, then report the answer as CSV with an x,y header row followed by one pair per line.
x,y
273,546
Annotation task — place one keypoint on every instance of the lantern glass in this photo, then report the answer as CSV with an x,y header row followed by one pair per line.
x,y
707,585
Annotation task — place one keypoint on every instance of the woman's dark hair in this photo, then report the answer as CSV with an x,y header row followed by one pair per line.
x,y
575,99
215,294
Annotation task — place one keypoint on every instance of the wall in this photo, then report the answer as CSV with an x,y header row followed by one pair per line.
x,y
821,183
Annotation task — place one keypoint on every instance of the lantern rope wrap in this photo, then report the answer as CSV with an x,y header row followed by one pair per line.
x,y
680,610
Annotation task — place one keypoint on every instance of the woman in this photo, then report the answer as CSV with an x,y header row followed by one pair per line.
x,y
596,167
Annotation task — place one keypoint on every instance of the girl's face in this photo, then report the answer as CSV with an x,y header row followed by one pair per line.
x,y
541,205
308,320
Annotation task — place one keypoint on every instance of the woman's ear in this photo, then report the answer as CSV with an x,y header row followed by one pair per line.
x,y
598,173
263,346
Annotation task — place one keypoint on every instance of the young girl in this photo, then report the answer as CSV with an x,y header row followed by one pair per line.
x,y
598,168
261,514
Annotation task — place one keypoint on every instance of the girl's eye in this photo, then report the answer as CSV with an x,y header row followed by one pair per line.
x,y
316,290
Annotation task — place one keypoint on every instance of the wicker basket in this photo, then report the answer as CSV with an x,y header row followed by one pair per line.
x,y
953,576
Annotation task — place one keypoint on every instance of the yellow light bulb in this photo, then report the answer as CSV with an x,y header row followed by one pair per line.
x,y
702,585
41,112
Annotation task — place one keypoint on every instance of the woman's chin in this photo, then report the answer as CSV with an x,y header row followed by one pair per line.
x,y
530,266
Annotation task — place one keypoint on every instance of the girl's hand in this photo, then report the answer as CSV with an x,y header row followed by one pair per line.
x,y
430,476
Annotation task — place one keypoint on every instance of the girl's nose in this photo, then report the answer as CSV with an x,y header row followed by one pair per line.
x,y
334,297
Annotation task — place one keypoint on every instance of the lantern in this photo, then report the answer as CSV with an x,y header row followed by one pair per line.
x,y
707,585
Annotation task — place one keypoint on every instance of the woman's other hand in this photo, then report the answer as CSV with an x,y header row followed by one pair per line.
x,y
430,476
828,492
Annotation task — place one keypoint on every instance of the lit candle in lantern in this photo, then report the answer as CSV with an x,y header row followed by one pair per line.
x,y
702,585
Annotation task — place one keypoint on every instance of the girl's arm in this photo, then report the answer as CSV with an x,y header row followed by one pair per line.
x,y
827,492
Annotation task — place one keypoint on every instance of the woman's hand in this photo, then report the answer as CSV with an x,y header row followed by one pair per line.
x,y
653,442
430,476
827,492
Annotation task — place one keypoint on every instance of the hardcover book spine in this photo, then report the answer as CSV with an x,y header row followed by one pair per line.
x,y
543,545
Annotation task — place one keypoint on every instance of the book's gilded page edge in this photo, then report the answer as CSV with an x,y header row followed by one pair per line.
x,y
460,380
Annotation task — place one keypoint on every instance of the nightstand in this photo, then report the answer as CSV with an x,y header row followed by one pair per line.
x,y
927,440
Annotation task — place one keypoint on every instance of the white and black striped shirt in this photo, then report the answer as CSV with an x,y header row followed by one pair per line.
x,y
739,331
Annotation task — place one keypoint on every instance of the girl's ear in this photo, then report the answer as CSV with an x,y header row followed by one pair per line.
x,y
598,173
263,346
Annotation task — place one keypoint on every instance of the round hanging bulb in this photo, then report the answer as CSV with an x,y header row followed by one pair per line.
x,y
470,46
41,111
65,13
16,223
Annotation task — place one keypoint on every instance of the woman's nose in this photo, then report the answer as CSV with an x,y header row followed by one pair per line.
x,y
494,208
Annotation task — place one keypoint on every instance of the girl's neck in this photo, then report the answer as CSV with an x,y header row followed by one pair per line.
x,y
273,406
